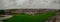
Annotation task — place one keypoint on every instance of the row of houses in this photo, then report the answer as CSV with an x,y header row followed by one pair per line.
x,y
28,11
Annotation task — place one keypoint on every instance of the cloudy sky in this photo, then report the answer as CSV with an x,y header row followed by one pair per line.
x,y
29,4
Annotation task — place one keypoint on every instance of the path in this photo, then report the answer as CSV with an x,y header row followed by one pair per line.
x,y
6,17
58,18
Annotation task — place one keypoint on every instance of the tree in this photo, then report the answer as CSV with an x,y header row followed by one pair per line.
x,y
2,12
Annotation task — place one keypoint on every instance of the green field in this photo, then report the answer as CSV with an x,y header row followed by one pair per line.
x,y
29,18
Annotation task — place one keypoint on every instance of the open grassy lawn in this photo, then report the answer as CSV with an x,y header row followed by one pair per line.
x,y
29,18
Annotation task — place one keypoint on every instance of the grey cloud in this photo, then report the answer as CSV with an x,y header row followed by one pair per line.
x,y
30,4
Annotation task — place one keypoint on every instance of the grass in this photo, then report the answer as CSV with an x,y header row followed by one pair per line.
x,y
29,18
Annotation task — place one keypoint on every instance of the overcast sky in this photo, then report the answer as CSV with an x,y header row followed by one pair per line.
x,y
29,4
